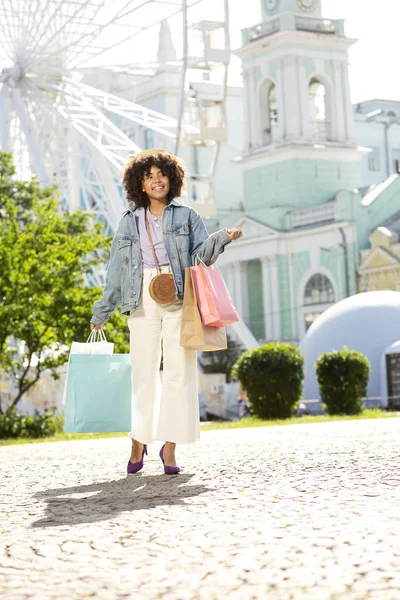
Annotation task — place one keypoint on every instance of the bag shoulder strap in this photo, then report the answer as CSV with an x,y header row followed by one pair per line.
x,y
151,243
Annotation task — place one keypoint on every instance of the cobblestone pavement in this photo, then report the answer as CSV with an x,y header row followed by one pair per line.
x,y
294,512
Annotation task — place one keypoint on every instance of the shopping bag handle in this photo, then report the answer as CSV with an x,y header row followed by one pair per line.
x,y
199,259
208,279
96,336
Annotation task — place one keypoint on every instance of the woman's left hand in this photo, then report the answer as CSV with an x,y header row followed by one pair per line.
x,y
235,233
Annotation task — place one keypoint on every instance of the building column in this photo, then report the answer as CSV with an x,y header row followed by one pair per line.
x,y
293,311
350,130
275,308
337,105
247,141
280,100
266,285
241,303
291,110
230,279
254,102
304,100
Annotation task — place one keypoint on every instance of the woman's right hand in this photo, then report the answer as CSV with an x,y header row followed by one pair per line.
x,y
94,327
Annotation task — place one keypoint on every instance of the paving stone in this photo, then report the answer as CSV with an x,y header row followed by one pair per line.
x,y
301,512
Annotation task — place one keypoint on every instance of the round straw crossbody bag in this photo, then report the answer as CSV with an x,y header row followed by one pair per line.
x,y
162,287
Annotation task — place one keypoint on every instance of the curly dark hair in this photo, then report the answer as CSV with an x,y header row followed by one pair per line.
x,y
140,165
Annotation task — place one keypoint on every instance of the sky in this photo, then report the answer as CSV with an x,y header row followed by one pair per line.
x,y
373,59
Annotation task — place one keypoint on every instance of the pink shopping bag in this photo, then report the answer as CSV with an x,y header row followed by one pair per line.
x,y
213,298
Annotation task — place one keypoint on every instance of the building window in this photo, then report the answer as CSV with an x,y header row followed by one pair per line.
x,y
373,160
318,296
273,113
319,290
320,125
396,160
269,117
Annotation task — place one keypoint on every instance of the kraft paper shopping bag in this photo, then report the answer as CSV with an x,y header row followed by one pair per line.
x,y
195,335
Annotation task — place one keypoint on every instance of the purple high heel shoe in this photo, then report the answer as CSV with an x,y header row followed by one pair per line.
x,y
168,470
135,467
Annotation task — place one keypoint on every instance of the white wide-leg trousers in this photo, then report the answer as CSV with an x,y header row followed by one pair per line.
x,y
167,410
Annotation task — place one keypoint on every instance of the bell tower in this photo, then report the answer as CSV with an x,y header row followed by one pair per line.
x,y
300,143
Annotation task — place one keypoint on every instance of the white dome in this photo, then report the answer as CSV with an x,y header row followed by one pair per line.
x,y
368,322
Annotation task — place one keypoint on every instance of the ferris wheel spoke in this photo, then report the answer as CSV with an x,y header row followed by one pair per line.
x,y
9,32
43,23
52,30
5,55
139,30
87,36
86,39
82,22
26,129
23,18
12,20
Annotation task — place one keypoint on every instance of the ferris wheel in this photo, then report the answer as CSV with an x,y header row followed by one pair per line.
x,y
69,72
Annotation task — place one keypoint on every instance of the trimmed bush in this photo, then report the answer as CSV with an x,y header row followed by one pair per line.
x,y
15,425
272,376
343,379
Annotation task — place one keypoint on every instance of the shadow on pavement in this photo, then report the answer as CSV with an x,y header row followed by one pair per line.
x,y
102,501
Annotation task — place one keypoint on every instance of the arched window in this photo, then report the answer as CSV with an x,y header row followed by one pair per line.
x,y
273,113
320,123
318,296
319,290
268,113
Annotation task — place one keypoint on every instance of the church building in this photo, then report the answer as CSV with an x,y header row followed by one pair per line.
x,y
307,213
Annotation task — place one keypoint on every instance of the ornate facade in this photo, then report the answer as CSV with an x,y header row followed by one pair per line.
x,y
380,266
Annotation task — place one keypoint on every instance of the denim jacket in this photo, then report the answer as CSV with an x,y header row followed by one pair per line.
x,y
185,238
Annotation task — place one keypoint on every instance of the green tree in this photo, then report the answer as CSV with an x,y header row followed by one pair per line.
x,y
222,361
45,302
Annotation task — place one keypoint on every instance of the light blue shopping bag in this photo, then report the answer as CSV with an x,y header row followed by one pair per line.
x,y
99,390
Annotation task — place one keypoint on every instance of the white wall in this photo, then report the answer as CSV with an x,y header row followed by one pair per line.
x,y
372,135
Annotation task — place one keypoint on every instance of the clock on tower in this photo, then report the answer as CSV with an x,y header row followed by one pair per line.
x,y
272,8
307,5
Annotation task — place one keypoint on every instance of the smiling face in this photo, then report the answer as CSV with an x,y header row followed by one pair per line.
x,y
156,185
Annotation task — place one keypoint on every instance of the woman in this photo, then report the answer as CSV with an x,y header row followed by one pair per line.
x,y
153,179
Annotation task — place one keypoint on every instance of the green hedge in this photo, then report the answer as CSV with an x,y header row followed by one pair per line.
x,y
272,376
17,425
343,379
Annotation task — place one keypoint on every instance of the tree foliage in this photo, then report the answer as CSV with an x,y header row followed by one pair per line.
x,y
45,302
272,376
343,379
222,361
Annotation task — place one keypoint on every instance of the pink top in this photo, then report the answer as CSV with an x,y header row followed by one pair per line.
x,y
157,235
